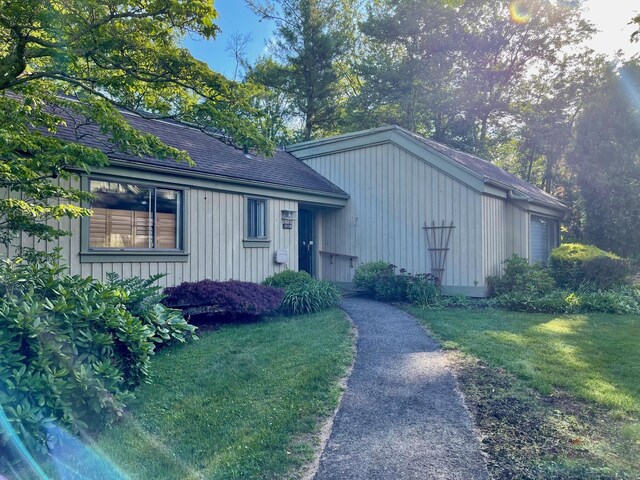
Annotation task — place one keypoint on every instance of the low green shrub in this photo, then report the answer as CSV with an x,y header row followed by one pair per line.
x,y
309,297
143,297
458,301
286,278
574,266
390,287
71,351
367,275
622,300
422,289
522,278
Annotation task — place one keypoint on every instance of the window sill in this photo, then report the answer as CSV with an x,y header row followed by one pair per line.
x,y
256,243
124,256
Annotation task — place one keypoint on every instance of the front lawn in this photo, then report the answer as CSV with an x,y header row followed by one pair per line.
x,y
559,391
241,402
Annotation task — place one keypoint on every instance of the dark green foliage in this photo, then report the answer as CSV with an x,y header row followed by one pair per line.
x,y
390,287
606,161
622,300
521,277
303,294
309,297
70,350
574,265
367,274
381,281
309,45
229,299
422,289
287,278
526,287
143,297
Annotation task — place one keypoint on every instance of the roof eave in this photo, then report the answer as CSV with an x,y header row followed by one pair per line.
x,y
553,204
223,179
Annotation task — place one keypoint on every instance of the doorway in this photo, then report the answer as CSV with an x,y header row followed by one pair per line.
x,y
306,241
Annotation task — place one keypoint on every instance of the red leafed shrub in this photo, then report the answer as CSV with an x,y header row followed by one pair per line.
x,y
232,298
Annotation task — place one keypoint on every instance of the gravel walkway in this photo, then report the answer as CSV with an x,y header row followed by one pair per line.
x,y
402,416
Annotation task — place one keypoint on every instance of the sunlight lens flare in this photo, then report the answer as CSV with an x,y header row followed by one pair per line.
x,y
520,13
631,87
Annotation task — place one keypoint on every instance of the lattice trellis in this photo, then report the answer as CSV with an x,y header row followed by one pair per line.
x,y
438,237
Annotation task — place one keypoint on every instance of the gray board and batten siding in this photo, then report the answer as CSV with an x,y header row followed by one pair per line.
x,y
398,182
367,196
213,211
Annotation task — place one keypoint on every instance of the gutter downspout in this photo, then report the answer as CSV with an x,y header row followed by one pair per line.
x,y
513,195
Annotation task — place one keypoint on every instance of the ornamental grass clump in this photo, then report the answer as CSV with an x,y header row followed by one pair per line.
x,y
303,294
309,297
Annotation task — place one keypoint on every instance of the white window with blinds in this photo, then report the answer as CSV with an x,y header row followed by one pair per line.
x,y
543,238
256,219
135,217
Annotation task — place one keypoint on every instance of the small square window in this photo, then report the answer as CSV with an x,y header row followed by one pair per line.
x,y
256,219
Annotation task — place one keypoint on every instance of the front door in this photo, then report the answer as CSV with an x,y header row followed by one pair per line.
x,y
305,241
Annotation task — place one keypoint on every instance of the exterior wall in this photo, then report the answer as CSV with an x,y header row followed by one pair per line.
x,y
393,193
215,221
495,230
518,232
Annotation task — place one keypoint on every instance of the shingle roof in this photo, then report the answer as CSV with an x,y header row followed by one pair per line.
x,y
211,155
488,170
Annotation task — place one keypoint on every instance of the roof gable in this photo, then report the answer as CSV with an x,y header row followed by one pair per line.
x,y
469,169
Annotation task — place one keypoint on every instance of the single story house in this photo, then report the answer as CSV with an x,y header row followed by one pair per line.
x,y
426,207
323,206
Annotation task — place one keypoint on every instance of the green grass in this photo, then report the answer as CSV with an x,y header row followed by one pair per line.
x,y
241,402
595,357
555,396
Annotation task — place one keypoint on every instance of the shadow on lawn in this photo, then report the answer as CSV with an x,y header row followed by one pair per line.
x,y
594,356
574,409
528,435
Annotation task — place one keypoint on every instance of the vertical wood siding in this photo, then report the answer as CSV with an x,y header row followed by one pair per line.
x,y
518,231
393,193
216,230
494,238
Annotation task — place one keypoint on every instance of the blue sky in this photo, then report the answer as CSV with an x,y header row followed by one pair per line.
x,y
235,16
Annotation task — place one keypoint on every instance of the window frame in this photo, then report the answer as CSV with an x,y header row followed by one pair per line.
x,y
89,254
257,242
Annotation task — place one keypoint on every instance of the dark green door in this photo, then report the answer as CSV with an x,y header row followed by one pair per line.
x,y
305,241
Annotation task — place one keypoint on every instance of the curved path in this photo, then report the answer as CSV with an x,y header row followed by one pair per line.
x,y
402,416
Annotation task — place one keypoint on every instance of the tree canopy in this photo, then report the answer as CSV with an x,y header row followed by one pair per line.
x,y
511,81
91,58
606,161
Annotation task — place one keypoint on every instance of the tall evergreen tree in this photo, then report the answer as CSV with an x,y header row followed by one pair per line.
x,y
307,47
